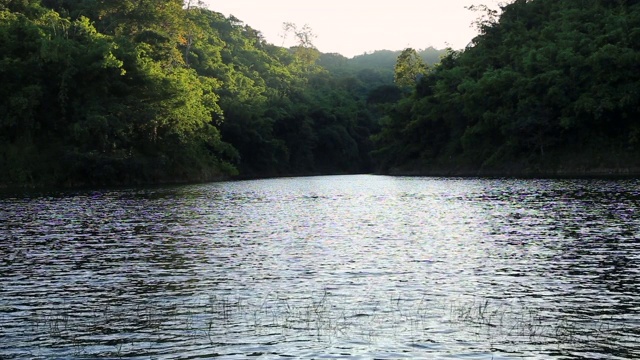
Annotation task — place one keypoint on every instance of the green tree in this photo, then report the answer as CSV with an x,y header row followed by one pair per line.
x,y
409,68
547,85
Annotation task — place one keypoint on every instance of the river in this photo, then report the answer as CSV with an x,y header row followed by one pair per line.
x,y
354,267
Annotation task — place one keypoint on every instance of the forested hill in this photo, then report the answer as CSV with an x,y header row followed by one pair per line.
x,y
149,91
121,92
378,63
550,87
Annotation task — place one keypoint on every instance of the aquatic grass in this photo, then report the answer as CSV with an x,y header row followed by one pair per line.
x,y
501,322
128,329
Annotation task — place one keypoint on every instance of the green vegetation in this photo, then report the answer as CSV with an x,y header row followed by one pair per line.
x,y
409,68
127,328
551,87
147,91
99,92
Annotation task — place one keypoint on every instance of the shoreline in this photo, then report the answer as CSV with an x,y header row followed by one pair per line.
x,y
599,173
595,174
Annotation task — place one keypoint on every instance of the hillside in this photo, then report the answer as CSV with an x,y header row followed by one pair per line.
x,y
130,92
550,88
95,93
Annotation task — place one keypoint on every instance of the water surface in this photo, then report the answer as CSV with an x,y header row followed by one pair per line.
x,y
324,267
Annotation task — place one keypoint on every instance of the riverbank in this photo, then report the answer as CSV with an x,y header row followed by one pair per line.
x,y
565,173
587,164
567,167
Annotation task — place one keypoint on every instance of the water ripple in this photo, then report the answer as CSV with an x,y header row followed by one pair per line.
x,y
325,267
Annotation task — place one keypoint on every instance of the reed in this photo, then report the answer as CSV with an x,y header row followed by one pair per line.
x,y
122,330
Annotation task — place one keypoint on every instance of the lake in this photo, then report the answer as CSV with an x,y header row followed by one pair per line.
x,y
333,267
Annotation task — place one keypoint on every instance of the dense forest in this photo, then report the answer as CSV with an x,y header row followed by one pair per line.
x,y
119,92
547,88
150,91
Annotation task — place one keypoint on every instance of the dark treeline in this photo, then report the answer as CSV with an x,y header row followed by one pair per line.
x,y
143,91
548,87
146,91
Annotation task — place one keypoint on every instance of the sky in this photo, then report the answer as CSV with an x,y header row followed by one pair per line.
x,y
353,27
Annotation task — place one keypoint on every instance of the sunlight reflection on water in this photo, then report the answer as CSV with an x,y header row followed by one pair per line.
x,y
331,267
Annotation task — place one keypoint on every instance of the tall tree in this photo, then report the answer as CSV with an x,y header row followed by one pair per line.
x,y
409,68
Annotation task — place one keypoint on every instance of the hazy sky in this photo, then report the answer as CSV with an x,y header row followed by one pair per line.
x,y
352,27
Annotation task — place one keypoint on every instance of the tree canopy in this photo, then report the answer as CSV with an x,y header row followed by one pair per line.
x,y
146,91
550,87
156,91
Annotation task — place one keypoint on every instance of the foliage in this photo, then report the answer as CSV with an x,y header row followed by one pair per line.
x,y
119,92
550,86
84,106
409,68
